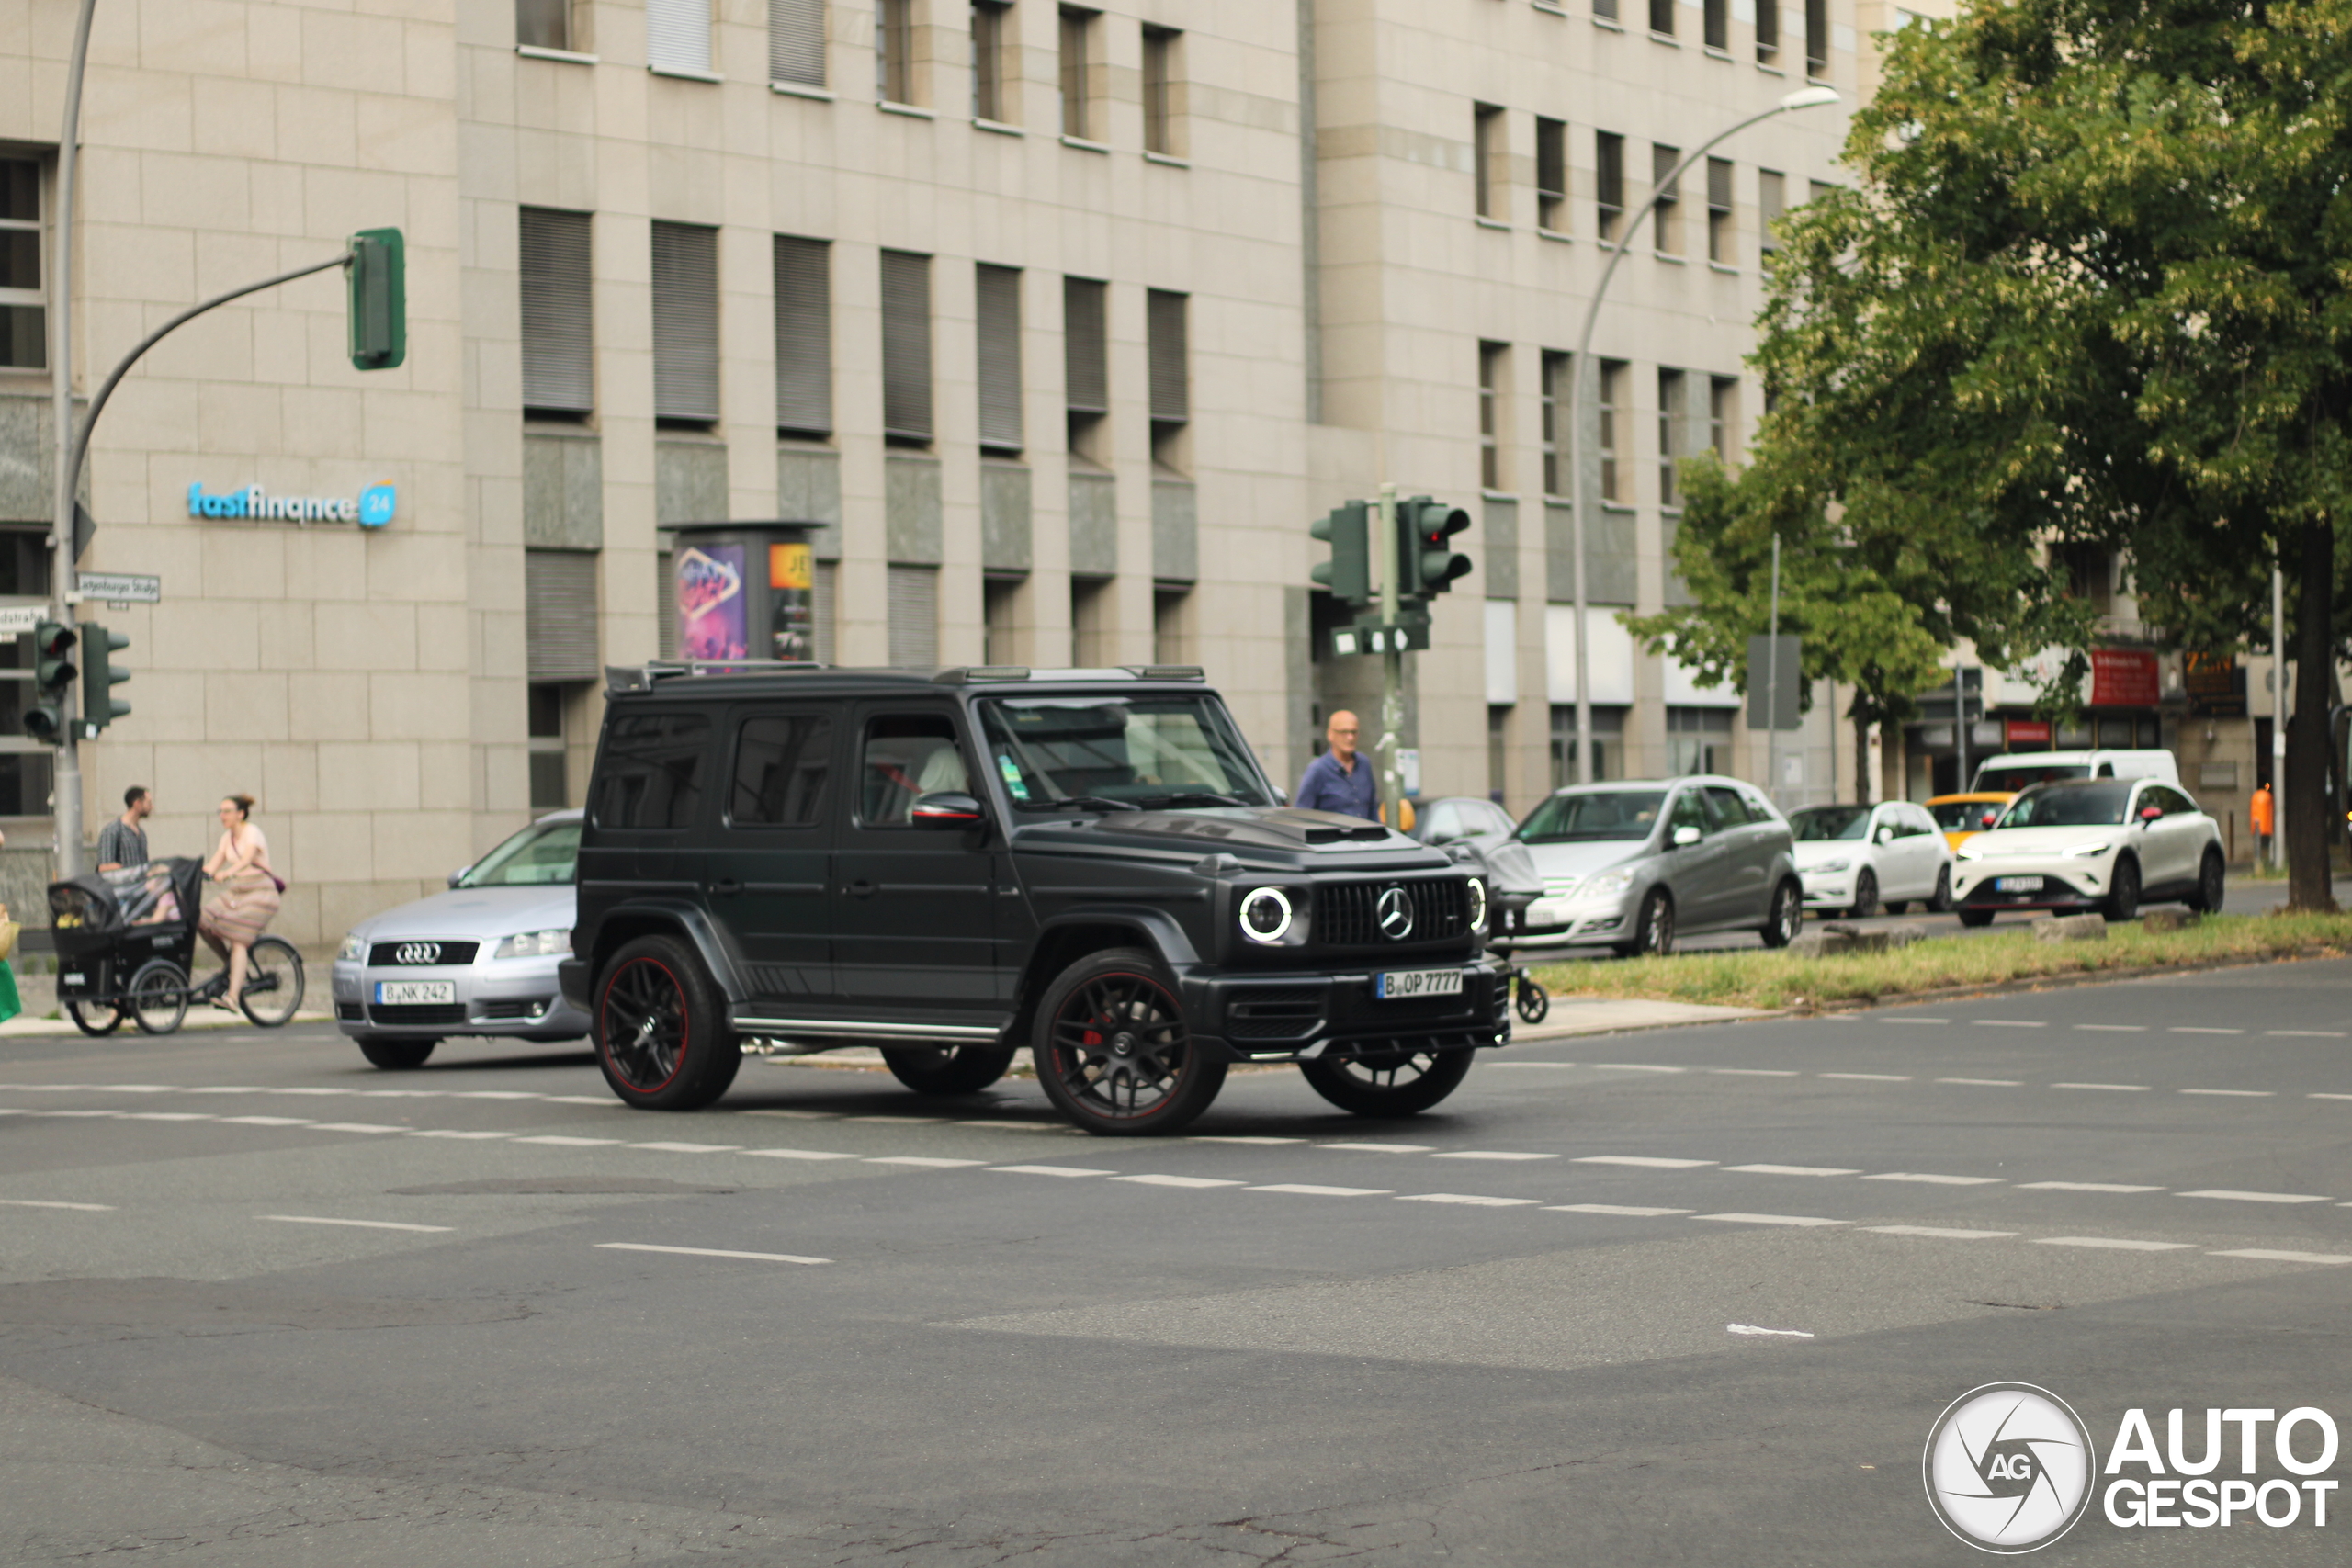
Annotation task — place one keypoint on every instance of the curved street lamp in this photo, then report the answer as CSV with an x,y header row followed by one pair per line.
x,y
1803,98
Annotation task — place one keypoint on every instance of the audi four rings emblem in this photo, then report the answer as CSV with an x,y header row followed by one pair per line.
x,y
1396,912
417,952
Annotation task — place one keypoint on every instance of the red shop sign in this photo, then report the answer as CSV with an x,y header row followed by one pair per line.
x,y
2122,678
2029,732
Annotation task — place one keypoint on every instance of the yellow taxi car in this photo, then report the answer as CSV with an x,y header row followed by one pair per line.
x,y
1963,817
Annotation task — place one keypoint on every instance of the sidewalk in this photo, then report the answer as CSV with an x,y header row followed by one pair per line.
x,y
1572,1016
198,1018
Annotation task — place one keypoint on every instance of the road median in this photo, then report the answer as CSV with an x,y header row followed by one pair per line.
x,y
1763,978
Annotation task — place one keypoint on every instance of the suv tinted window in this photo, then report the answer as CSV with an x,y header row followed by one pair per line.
x,y
781,764
650,774
907,756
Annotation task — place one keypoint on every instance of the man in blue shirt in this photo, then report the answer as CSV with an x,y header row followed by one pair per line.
x,y
1341,779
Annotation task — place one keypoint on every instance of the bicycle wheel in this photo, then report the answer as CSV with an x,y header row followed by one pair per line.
x,y
94,1018
158,997
272,982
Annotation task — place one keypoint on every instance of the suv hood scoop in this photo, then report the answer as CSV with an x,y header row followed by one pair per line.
x,y
1259,827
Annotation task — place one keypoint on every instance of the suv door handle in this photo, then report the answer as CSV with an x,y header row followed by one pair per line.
x,y
860,889
725,886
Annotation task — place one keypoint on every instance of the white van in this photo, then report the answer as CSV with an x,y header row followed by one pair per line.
x,y
2014,770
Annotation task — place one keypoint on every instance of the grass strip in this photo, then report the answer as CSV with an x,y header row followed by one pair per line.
x,y
1761,977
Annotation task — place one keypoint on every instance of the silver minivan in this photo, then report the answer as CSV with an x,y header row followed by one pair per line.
x,y
1633,865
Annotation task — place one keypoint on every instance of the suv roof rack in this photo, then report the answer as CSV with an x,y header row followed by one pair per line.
x,y
641,677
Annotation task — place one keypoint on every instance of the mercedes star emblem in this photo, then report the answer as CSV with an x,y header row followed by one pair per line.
x,y
1396,912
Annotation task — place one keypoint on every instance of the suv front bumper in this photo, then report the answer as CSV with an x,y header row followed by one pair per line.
x,y
1258,1017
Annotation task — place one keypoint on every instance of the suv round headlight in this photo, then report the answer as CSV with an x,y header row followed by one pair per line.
x,y
1477,903
1265,914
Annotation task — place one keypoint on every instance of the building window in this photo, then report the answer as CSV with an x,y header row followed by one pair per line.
x,y
1609,182
1668,232
1816,39
1719,229
1771,200
1000,624
1497,753
1168,356
685,326
1669,435
677,35
1089,617
1698,740
1817,189
1486,161
1718,24
2089,571
560,621
914,617
1607,404
1078,69
543,24
906,349
1662,17
804,336
1607,743
1723,415
1159,91
1551,175
1169,645
24,318
989,17
1768,31
1605,9
550,787
796,42
894,50
1493,365
558,333
1086,363
1556,413
997,307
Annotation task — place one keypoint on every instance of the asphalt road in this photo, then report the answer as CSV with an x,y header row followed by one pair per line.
x,y
262,1305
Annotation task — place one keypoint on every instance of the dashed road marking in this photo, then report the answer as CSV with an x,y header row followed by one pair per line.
x,y
1489,1154
2118,1088
1757,1072
1469,1200
1205,1138
2195,1029
2114,1028
2233,1093
1630,1210
357,1224
2274,1254
903,1121
697,1148
1740,1219
2112,1243
52,1204
1915,1020
786,1154
1793,1170
709,1252
1636,1067
2306,1033
2085,1187
1868,1077
2009,1023
1939,1233
559,1141
1180,1181
452,1133
926,1161
356,1127
268,1121
1310,1190
1935,1180
1987,1083
2230,1195
1384,1148
1049,1170
1652,1162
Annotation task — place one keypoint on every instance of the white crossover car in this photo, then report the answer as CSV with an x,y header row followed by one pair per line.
x,y
1857,859
477,960
2104,844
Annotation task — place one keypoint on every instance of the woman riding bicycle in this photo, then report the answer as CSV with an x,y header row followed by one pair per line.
x,y
249,898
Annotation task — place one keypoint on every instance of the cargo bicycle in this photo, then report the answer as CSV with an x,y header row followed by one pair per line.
x,y
126,949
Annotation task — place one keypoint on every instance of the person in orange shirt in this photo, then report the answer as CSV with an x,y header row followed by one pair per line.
x,y
2263,818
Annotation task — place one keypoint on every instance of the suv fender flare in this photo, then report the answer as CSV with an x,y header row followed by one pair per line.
x,y
670,917
1064,939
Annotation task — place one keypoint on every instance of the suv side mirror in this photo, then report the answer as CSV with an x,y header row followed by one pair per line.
x,y
2151,813
1884,836
1686,836
946,808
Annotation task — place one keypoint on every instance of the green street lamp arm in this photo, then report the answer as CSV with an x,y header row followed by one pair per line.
x,y
1581,367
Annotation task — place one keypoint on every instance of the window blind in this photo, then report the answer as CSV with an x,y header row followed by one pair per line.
x,y
914,617
796,42
1172,394
998,306
677,35
1086,345
558,339
685,322
559,615
906,345
804,335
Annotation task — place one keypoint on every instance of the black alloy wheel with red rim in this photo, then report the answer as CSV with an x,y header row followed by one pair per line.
x,y
661,1038
1113,1053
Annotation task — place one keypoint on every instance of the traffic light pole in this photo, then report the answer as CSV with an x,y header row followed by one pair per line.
x,y
65,775
1391,656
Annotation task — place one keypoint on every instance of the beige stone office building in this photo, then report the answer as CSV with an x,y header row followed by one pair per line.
x,y
1055,325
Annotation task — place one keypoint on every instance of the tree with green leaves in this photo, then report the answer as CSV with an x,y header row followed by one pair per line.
x,y
2092,283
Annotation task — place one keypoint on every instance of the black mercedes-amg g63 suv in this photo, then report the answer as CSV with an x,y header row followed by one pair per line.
x,y
1089,863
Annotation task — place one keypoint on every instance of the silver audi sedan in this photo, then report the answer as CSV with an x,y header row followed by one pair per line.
x,y
1633,866
477,960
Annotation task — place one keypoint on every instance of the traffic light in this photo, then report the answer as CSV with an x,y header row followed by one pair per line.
x,y
98,672
1348,574
378,275
1426,562
52,674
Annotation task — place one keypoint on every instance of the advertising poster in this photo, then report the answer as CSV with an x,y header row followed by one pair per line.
x,y
792,623
711,605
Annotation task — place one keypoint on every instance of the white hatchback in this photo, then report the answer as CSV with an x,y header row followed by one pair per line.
x,y
2104,844
1855,859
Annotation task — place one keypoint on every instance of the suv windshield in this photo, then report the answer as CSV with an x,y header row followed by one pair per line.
x,y
1819,824
1605,814
1146,751
2081,804
541,855
2017,775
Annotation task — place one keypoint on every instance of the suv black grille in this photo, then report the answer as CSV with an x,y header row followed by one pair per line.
x,y
419,1012
1347,914
443,953
1271,1013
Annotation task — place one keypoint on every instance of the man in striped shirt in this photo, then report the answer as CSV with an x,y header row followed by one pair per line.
x,y
123,842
